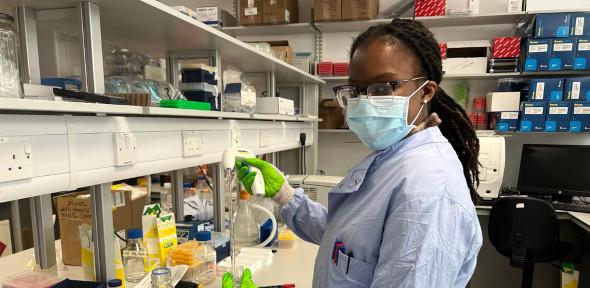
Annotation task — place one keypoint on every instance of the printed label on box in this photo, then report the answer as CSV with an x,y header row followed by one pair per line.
x,y
118,199
538,48
540,91
581,110
576,90
287,16
558,110
534,110
253,11
563,47
584,46
509,115
579,30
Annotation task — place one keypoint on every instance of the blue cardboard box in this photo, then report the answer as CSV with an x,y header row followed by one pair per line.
x,y
558,117
553,25
563,54
582,54
580,117
580,24
546,89
538,54
532,116
577,89
508,121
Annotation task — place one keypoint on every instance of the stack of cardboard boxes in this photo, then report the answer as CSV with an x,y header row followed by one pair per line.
x,y
347,10
258,12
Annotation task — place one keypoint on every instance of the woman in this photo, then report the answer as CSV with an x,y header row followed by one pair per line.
x,y
403,216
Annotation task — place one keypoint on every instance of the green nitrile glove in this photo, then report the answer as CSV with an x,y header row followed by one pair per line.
x,y
273,179
228,282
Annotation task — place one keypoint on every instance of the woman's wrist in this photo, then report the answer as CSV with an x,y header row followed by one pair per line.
x,y
284,195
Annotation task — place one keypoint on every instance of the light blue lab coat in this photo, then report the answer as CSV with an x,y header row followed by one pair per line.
x,y
404,212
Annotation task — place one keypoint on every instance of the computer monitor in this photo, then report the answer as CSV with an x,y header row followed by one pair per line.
x,y
555,169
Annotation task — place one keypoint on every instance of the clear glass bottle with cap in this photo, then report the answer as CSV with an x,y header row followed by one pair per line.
x,y
246,229
208,257
10,82
162,278
134,256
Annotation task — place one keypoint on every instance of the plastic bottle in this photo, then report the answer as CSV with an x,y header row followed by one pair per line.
x,y
203,189
162,278
208,257
115,283
134,256
166,197
246,229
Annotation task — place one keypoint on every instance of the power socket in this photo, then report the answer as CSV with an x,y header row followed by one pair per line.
x,y
125,149
192,143
16,160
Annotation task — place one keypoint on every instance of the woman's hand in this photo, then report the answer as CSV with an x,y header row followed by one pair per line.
x,y
275,184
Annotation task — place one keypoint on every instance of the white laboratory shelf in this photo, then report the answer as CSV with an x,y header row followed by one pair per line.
x,y
349,26
335,78
309,119
285,29
274,117
28,105
73,151
334,131
173,112
557,73
480,76
155,28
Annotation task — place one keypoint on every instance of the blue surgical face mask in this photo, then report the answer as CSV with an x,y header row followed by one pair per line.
x,y
381,121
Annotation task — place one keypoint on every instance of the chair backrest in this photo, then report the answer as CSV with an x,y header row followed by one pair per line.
x,y
528,226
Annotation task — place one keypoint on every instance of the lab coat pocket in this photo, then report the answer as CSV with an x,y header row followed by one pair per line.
x,y
355,271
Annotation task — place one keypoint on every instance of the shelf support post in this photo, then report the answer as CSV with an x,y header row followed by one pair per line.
x,y
271,84
103,231
178,194
219,198
43,237
27,28
15,224
91,43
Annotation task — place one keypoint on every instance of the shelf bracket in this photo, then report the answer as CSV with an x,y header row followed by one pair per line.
x,y
27,28
43,235
103,231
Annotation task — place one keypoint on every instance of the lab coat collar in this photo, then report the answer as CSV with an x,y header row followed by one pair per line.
x,y
355,178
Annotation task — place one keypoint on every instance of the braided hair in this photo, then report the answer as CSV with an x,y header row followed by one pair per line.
x,y
455,126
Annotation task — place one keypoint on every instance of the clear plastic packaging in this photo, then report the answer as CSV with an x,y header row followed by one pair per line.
x,y
246,228
10,82
30,279
134,256
200,259
166,197
239,96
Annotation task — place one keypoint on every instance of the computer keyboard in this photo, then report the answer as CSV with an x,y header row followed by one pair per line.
x,y
572,207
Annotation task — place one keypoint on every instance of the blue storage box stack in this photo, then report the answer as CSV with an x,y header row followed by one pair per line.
x,y
578,89
558,117
532,116
580,121
546,89
560,42
199,84
507,121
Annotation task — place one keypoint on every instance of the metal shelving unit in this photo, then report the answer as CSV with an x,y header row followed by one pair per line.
x,y
73,144
286,29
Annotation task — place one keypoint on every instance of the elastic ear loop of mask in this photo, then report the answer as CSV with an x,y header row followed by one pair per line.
x,y
421,104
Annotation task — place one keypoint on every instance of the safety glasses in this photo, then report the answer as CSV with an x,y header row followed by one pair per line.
x,y
349,94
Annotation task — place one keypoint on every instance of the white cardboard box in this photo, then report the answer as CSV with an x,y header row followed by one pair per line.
x,y
502,101
467,57
275,105
214,16
561,5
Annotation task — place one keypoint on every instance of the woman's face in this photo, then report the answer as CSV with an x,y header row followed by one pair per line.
x,y
381,61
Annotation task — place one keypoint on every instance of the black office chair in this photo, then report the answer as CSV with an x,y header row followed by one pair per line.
x,y
527,231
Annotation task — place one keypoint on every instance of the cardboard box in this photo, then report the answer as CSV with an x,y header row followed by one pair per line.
x,y
360,9
75,209
580,24
552,25
578,89
215,16
502,101
430,8
558,117
563,54
282,50
302,60
538,54
546,89
327,10
532,116
580,117
506,47
280,11
275,105
467,57
567,5
582,54
251,12
508,121
325,68
332,114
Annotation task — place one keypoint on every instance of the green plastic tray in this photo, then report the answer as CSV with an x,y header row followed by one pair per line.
x,y
185,104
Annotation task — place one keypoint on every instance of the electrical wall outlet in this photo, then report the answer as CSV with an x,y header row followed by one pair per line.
x,y
192,143
16,160
125,146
